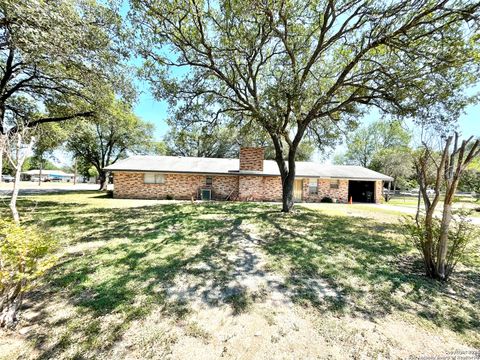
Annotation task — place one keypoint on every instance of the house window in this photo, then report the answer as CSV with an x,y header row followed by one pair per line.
x,y
334,184
208,181
313,186
152,178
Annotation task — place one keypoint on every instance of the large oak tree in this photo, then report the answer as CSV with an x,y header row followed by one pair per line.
x,y
112,134
294,67
55,53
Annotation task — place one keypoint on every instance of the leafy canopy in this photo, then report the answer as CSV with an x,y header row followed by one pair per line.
x,y
56,53
367,142
109,136
303,67
201,140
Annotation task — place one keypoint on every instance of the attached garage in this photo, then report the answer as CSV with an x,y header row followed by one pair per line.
x,y
361,191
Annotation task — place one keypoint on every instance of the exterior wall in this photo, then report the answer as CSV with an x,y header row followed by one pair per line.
x,y
224,186
251,158
379,192
131,185
243,187
272,188
250,188
324,190
178,186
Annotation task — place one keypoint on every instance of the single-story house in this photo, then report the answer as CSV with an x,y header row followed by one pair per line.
x,y
47,175
248,178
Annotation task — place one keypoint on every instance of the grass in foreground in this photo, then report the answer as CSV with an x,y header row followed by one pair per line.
x,y
122,258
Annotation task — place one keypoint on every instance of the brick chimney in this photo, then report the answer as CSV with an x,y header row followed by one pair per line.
x,y
251,158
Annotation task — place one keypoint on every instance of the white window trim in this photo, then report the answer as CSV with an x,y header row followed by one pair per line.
x,y
312,184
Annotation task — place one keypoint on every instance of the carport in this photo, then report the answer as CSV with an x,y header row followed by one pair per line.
x,y
361,191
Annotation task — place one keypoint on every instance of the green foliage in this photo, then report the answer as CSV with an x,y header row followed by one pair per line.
x,y
92,172
326,199
26,253
470,181
365,145
9,170
396,162
205,140
57,53
159,148
201,141
381,146
48,138
34,163
305,151
107,137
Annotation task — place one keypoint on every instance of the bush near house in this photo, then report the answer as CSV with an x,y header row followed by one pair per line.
x,y
25,254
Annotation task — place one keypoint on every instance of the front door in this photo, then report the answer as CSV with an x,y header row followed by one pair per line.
x,y
297,190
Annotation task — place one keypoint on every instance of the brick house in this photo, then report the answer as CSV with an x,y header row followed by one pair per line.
x,y
248,178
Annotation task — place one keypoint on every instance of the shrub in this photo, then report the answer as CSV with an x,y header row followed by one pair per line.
x,y
326,199
169,197
25,254
461,235
109,193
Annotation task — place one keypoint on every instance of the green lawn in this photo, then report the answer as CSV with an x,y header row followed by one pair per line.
x,y
122,258
469,203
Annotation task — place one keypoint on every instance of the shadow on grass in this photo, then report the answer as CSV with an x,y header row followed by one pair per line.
x,y
122,263
371,267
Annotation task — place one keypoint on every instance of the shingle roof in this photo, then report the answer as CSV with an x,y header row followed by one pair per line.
x,y
199,165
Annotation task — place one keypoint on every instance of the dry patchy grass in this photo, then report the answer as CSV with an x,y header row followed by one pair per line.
x,y
154,279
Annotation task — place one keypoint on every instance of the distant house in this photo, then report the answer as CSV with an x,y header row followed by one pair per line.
x,y
47,175
248,178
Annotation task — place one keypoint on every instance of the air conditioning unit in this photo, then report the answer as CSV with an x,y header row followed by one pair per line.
x,y
206,194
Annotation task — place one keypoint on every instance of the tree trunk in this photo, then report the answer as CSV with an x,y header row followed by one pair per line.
x,y
103,180
13,199
3,148
387,197
10,303
1,158
428,246
17,163
287,192
287,182
442,243
419,203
